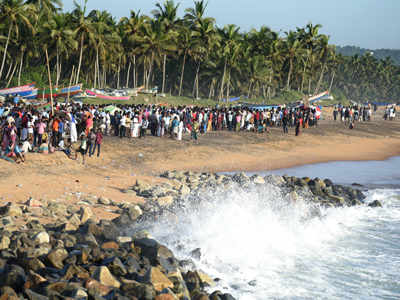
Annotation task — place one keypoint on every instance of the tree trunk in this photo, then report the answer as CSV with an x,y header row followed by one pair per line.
x,y
269,87
290,74
9,70
58,71
134,72
222,83
163,80
330,86
119,70
96,68
211,88
20,68
197,81
12,75
70,82
182,73
5,51
144,75
150,69
228,85
127,74
80,61
51,88
248,92
320,79
98,71
303,76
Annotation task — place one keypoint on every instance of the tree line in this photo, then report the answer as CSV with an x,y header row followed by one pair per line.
x,y
184,56
394,54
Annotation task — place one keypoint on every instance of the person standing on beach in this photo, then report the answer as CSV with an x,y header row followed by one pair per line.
x,y
285,124
98,142
298,125
83,147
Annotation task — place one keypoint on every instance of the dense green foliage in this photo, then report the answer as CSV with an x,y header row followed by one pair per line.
x,y
187,56
394,54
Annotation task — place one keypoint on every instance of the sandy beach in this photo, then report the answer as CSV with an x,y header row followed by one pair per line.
x,y
123,161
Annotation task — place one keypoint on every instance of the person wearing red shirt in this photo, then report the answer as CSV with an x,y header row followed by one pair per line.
x,y
99,140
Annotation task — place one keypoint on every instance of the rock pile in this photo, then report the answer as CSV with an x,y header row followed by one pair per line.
x,y
78,257
181,184
92,261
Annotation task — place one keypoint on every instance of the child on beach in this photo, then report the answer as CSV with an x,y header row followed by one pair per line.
x,y
82,148
19,154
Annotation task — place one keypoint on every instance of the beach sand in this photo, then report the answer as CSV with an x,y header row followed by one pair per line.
x,y
123,161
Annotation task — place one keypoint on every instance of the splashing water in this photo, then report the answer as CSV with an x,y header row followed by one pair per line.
x,y
261,245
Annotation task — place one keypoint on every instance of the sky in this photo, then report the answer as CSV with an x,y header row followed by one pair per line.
x,y
371,24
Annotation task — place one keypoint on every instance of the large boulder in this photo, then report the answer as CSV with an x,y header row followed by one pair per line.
x,y
42,238
155,277
104,276
56,257
86,214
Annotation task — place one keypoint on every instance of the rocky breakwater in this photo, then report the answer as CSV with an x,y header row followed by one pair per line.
x,y
183,187
77,257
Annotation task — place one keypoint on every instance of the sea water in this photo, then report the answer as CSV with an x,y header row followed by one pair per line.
x,y
259,245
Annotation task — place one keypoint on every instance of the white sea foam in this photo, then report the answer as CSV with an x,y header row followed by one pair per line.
x,y
262,246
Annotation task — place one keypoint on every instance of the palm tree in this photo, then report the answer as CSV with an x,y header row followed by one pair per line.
x,y
230,47
13,13
291,47
324,52
83,29
154,43
62,38
132,27
168,16
187,43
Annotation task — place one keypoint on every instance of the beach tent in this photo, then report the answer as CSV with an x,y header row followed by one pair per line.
x,y
112,109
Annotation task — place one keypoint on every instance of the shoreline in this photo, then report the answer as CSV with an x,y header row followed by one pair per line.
x,y
369,149
123,161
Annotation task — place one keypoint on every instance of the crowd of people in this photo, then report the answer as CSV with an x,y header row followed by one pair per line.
x,y
76,128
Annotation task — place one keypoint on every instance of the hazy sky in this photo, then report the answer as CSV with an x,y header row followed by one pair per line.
x,y
366,23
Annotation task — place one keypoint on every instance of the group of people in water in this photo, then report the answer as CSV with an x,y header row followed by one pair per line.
x,y
25,128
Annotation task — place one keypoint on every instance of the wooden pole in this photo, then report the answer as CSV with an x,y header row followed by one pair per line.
x,y
70,82
51,88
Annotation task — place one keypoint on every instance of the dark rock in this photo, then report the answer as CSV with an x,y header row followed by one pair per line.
x,y
13,276
140,290
7,293
375,203
31,295
56,257
115,265
196,253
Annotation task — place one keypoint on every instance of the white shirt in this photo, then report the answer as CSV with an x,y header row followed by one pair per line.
x,y
26,146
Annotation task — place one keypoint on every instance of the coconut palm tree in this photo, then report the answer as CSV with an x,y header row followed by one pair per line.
x,y
62,39
132,27
230,47
14,13
167,15
153,43
83,29
291,46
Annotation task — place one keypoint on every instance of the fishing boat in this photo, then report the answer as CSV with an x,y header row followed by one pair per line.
x,y
323,96
107,97
23,90
60,92
33,94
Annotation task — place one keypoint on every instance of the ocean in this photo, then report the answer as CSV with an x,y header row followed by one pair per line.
x,y
260,246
